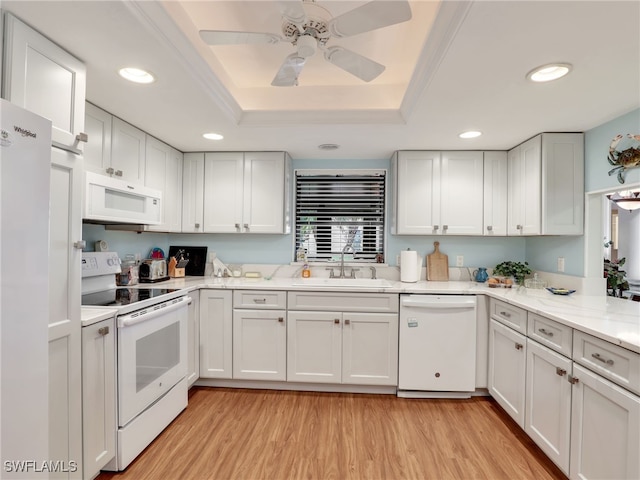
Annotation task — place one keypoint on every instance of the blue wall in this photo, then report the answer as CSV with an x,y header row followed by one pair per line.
x,y
540,252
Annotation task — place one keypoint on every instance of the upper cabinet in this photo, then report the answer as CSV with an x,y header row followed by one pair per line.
x,y
193,193
42,77
163,171
114,147
546,185
246,192
495,194
437,193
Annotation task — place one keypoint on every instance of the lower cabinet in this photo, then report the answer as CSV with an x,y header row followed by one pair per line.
x,y
216,333
98,396
342,347
193,338
507,367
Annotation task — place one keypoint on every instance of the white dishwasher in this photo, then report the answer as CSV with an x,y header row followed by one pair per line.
x,y
437,346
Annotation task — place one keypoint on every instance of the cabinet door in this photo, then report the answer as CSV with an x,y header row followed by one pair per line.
x,y
127,151
216,327
98,396
548,402
525,167
507,363
97,151
562,183
45,79
605,438
370,348
264,192
314,347
417,192
223,187
193,193
461,193
65,342
495,194
193,338
259,345
163,171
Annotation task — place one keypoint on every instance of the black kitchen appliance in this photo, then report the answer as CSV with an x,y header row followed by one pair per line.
x,y
197,257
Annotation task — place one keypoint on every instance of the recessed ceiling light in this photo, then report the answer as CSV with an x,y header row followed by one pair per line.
x,y
136,75
547,73
470,134
329,146
213,136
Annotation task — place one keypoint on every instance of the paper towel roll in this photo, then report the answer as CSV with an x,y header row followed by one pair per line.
x,y
409,266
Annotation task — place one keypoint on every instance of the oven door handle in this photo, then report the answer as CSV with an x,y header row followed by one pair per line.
x,y
152,312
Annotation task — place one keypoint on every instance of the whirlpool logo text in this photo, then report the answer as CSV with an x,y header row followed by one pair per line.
x,y
24,132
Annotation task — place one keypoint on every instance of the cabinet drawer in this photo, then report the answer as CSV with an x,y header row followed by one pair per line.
x,y
344,302
619,365
554,335
509,315
259,299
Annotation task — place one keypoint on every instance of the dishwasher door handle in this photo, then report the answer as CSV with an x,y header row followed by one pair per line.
x,y
437,305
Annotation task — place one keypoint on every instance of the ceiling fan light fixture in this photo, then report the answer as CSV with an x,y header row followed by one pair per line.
x,y
213,136
136,75
626,200
307,46
549,72
470,134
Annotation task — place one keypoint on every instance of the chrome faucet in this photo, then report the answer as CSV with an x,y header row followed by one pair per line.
x,y
347,246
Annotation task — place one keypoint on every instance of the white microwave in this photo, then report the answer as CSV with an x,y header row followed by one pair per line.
x,y
111,200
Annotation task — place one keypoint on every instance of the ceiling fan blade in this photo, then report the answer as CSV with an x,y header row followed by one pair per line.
x,y
293,11
221,37
362,67
288,74
370,16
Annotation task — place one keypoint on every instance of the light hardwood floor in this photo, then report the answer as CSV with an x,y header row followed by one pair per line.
x,y
264,434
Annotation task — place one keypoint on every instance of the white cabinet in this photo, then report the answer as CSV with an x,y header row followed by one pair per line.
x,y
114,147
216,333
507,367
495,194
127,151
45,79
548,402
432,192
98,396
193,193
331,338
546,185
605,437
246,192
193,338
163,171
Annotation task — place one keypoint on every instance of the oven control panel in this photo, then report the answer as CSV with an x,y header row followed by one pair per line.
x,y
100,263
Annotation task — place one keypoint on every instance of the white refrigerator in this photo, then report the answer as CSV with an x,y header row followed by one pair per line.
x,y
25,157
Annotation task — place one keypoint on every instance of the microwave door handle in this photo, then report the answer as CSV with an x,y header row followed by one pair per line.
x,y
152,312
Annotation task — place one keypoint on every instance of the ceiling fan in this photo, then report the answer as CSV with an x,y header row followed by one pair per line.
x,y
308,27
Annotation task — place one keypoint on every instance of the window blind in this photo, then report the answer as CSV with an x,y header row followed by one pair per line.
x,y
340,212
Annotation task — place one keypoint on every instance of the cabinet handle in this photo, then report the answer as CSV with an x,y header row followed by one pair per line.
x,y
103,331
505,314
597,356
118,173
259,300
436,227
518,227
561,371
110,170
80,245
246,226
519,346
444,227
489,228
336,320
281,319
82,137
197,225
545,332
237,226
572,380
347,322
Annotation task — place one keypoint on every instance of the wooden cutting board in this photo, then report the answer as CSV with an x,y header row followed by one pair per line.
x,y
437,265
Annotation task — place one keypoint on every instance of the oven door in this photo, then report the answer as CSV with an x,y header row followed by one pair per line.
x,y
152,355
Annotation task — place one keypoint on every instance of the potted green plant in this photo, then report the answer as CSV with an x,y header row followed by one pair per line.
x,y
517,270
616,283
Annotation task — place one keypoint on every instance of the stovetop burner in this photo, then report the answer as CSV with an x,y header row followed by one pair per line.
x,y
122,296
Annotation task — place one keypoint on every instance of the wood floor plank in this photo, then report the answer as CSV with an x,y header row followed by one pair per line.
x,y
227,434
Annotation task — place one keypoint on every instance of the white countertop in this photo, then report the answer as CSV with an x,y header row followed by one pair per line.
x,y
91,315
613,319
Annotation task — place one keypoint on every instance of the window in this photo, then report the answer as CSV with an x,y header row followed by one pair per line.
x,y
340,212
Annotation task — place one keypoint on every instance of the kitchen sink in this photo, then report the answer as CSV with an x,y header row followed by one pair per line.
x,y
342,282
